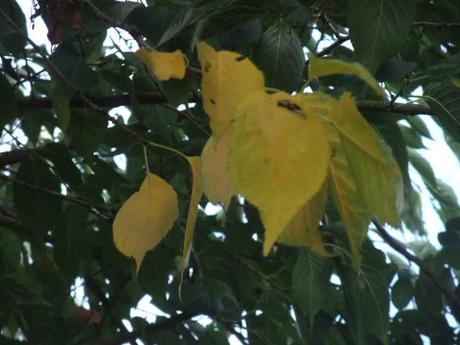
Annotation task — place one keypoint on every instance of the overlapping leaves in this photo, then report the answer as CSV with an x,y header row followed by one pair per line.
x,y
282,152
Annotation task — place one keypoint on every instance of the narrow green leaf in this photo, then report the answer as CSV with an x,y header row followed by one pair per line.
x,y
444,99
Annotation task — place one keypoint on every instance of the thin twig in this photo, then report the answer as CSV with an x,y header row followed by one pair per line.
x,y
338,42
401,248
439,25
97,210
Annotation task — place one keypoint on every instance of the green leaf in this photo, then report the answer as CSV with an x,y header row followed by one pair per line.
x,y
310,283
39,210
378,28
9,106
367,297
402,291
444,99
419,125
71,241
280,57
62,109
151,21
412,138
423,167
86,130
179,91
10,39
391,133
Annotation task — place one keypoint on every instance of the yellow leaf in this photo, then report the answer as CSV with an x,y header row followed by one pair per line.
x,y
350,204
323,67
227,79
216,179
145,218
346,117
192,210
164,66
375,171
303,230
278,159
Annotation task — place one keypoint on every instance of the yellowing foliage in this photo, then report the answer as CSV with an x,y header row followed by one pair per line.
x,y
278,159
303,230
281,152
375,171
164,66
195,165
323,67
217,182
227,79
350,204
145,218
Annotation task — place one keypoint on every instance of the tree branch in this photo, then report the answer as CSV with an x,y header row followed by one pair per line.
x,y
15,156
102,101
401,248
14,224
396,108
158,98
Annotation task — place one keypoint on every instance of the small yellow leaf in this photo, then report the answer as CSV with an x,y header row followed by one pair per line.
x,y
195,165
164,66
145,218
303,230
278,159
216,179
227,79
323,67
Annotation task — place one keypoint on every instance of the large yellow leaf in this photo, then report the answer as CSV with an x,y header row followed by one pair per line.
x,y
375,171
192,210
323,67
350,204
216,179
164,66
303,230
145,218
227,79
278,159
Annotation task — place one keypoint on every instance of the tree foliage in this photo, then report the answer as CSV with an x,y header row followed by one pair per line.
x,y
300,119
